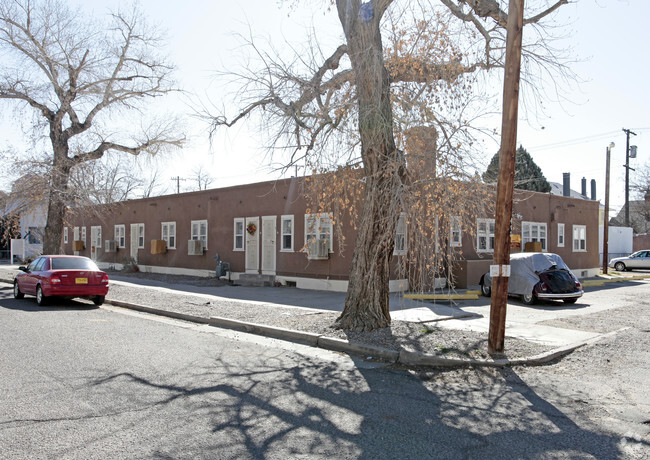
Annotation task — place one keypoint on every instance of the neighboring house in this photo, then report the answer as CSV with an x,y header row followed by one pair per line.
x,y
264,228
31,218
639,215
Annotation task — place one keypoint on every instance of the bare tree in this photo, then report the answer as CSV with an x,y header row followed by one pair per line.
x,y
82,80
359,103
202,177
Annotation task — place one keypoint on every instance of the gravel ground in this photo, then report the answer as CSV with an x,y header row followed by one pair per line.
x,y
426,338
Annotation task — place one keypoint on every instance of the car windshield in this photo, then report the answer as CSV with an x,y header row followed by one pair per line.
x,y
73,263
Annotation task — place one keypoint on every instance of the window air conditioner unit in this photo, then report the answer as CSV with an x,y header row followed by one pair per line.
x,y
318,250
195,248
110,246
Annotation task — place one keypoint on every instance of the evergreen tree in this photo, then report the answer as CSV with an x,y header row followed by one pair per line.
x,y
528,176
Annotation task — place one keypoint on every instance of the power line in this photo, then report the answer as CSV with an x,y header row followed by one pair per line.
x,y
569,142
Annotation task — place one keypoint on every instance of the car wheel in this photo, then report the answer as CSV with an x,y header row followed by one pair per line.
x,y
17,293
40,298
619,266
572,300
98,300
486,290
528,299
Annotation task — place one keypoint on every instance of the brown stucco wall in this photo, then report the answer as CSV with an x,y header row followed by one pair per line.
x,y
221,206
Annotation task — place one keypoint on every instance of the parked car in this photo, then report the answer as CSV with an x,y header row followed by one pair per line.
x,y
61,276
538,275
639,259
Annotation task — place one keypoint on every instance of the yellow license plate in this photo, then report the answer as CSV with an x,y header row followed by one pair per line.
x,y
81,281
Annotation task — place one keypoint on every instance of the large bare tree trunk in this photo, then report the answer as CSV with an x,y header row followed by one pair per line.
x,y
61,167
366,304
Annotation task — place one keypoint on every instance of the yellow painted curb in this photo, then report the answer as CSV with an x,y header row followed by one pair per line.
x,y
473,292
441,296
593,283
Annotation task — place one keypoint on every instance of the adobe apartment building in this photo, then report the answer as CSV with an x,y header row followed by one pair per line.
x,y
264,228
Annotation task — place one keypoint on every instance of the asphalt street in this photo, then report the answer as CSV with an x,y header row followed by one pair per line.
x,y
85,382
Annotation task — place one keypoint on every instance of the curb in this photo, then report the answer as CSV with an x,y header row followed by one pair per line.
x,y
405,357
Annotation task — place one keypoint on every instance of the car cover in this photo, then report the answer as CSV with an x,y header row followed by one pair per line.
x,y
524,269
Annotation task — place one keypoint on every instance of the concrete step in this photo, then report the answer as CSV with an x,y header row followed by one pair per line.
x,y
254,279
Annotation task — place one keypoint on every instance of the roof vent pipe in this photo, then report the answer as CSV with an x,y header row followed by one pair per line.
x,y
566,184
583,189
593,189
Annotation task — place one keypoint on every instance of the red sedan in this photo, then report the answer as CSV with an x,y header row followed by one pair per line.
x,y
61,276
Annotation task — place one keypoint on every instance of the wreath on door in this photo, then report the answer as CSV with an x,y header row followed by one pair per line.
x,y
251,228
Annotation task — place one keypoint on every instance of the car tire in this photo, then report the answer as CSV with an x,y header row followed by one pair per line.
x,y
486,291
17,293
571,301
619,266
528,299
40,298
98,300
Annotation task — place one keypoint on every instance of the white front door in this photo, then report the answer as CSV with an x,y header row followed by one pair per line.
x,y
134,242
252,245
268,244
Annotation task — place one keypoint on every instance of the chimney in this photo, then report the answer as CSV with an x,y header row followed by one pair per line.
x,y
584,187
593,189
566,184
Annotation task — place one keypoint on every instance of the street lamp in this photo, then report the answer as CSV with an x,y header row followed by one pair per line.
x,y
606,222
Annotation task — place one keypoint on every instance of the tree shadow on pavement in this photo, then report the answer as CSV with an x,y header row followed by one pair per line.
x,y
317,409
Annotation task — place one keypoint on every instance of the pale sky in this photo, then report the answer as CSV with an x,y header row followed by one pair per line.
x,y
609,36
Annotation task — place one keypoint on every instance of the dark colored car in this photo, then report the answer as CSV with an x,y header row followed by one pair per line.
x,y
61,276
538,275
640,259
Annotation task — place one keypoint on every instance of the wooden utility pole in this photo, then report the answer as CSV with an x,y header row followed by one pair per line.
x,y
505,185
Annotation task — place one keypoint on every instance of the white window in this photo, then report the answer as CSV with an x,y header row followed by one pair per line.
x,y
238,231
96,236
75,234
120,235
533,232
319,226
579,238
287,233
168,232
560,235
484,235
83,235
455,235
400,236
140,234
200,231
65,235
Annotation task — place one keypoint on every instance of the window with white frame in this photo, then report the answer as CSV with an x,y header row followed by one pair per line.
x,y
455,232
319,226
140,234
65,235
238,231
96,236
83,235
532,232
200,231
168,233
579,238
484,235
287,233
400,236
75,234
560,235
120,235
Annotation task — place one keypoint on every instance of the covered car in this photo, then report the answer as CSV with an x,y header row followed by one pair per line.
x,y
639,259
61,276
538,275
